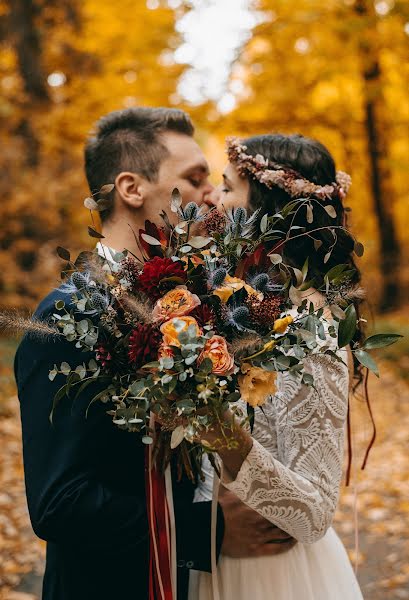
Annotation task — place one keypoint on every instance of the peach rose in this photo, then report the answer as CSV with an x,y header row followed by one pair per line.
x,y
256,384
233,284
170,335
176,303
216,349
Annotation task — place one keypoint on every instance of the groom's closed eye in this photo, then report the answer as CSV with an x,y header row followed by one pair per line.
x,y
196,176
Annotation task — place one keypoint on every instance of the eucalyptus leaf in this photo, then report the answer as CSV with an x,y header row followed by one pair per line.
x,y
367,361
94,233
337,312
199,241
81,370
263,223
329,209
276,259
295,296
359,249
175,200
191,359
90,204
150,240
310,214
308,379
106,189
65,368
53,373
347,327
177,437
63,253
380,340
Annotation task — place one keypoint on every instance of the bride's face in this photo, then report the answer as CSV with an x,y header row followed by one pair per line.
x,y
234,191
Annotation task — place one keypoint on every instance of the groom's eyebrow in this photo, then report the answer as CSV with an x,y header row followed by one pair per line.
x,y
202,167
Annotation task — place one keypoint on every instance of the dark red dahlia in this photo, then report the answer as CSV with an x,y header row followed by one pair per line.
x,y
160,275
144,343
204,315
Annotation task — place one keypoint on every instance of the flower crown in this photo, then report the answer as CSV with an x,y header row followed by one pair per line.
x,y
273,174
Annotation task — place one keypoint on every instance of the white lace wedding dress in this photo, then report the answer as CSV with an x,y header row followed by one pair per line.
x,y
292,477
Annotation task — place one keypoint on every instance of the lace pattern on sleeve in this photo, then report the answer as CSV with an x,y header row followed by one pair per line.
x,y
299,491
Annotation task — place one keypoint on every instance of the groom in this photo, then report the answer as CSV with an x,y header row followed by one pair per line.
x,y
85,477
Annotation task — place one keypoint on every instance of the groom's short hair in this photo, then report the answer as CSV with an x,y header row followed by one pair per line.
x,y
130,140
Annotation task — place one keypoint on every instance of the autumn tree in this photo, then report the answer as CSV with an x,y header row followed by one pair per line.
x,y
336,70
63,65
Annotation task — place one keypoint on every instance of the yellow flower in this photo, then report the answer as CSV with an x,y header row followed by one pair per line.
x,y
280,325
170,335
216,349
176,303
233,284
256,384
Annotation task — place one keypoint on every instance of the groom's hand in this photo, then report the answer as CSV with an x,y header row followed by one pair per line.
x,y
246,533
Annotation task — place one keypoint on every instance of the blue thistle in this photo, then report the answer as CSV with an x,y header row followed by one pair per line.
x,y
218,277
98,301
191,211
240,317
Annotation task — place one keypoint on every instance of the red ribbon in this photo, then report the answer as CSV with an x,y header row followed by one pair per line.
x,y
160,581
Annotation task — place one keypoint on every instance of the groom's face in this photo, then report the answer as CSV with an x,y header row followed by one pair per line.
x,y
184,168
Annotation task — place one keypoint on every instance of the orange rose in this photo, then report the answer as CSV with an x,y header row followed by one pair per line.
x,y
216,349
256,384
170,335
176,303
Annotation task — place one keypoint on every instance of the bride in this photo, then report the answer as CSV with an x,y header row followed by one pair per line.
x,y
290,469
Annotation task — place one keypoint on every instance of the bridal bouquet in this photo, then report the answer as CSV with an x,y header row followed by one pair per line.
x,y
198,321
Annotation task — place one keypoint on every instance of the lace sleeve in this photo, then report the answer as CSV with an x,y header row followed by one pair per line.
x,y
299,491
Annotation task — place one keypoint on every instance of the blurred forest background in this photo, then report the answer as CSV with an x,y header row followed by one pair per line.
x,y
337,70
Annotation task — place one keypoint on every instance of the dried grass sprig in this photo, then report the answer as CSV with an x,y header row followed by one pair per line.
x,y
246,344
138,307
95,267
15,324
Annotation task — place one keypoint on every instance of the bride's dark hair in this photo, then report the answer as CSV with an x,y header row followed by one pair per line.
x,y
314,162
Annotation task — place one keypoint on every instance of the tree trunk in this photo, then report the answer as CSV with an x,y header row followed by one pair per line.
x,y
376,127
29,57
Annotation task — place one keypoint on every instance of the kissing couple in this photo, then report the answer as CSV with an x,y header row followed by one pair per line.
x,y
85,478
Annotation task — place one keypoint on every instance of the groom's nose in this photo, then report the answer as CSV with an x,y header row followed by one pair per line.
x,y
207,191
212,198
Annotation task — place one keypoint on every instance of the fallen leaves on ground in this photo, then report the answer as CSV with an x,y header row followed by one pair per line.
x,y
381,493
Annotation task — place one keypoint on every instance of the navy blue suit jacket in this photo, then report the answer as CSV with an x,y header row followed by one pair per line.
x,y
85,483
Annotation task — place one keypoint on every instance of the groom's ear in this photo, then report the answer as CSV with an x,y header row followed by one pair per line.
x,y
130,189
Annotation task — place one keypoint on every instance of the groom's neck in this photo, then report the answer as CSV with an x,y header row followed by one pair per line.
x,y
120,234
